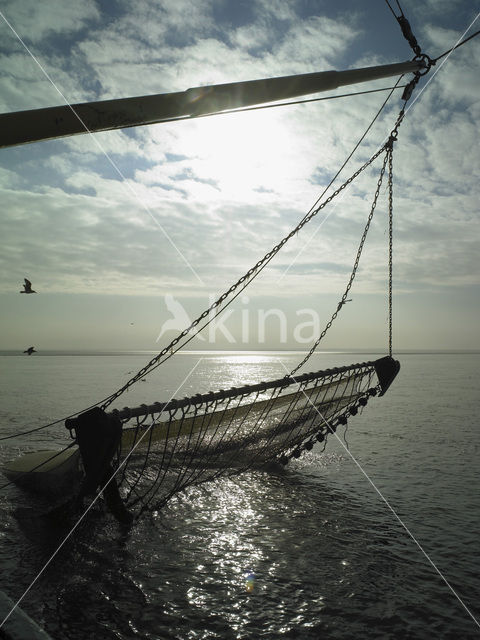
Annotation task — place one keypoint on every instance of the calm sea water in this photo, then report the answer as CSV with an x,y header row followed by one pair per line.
x,y
318,550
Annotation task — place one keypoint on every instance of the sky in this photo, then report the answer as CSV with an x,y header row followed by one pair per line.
x,y
128,235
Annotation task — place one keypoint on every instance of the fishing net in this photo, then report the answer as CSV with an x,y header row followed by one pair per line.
x,y
166,447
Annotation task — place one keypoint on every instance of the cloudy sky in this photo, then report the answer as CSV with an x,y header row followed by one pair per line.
x,y
125,234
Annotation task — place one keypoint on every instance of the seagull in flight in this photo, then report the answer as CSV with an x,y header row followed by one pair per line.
x,y
30,350
28,287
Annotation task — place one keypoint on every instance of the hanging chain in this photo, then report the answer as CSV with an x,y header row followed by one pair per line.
x,y
355,266
251,273
390,244
388,147
167,351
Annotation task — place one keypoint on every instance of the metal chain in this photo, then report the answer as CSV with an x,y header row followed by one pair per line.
x,y
251,273
390,245
388,157
355,266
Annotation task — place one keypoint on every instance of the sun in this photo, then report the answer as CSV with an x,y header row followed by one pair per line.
x,y
241,152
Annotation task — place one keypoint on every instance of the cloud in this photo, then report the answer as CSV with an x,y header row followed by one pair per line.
x,y
225,190
35,21
431,9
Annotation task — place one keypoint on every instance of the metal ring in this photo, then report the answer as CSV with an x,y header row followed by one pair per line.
x,y
428,63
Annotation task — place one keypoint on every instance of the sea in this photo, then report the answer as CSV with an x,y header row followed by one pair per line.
x,y
376,537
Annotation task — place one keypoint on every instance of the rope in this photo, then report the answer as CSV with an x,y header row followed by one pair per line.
x,y
412,41
388,147
457,45
259,267
43,426
50,424
243,282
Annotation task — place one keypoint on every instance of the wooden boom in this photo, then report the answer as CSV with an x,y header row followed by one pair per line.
x,y
34,125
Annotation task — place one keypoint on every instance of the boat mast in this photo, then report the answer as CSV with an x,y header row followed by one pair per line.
x,y
21,127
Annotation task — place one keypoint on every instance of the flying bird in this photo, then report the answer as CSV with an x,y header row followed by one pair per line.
x,y
28,287
30,350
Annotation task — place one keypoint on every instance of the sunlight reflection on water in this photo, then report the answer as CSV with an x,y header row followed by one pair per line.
x,y
327,557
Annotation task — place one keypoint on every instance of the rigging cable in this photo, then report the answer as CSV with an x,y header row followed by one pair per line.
x,y
406,29
244,280
247,277
272,105
157,361
306,215
43,426
407,32
254,272
251,274
168,351
434,60
388,148
353,151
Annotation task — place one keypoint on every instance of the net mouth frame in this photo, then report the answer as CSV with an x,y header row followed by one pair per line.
x,y
386,369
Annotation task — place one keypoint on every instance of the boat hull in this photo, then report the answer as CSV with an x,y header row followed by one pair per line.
x,y
46,472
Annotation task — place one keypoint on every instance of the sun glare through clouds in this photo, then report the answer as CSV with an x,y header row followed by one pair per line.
x,y
240,152
135,216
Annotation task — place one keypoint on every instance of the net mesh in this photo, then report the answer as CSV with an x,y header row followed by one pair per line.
x,y
166,448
